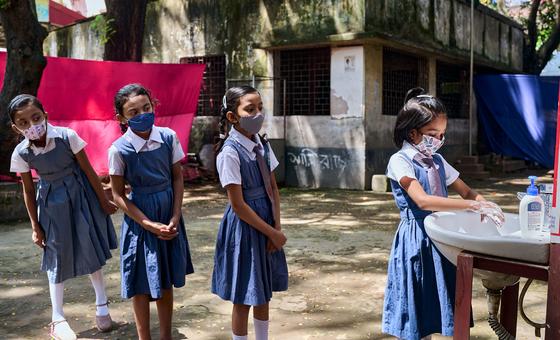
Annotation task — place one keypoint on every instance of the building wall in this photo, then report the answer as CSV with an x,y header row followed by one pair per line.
x,y
346,147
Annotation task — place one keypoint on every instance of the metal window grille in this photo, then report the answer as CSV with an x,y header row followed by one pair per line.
x,y
401,72
453,89
307,73
213,84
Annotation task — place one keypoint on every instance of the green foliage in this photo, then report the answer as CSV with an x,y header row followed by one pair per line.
x,y
103,28
545,20
4,4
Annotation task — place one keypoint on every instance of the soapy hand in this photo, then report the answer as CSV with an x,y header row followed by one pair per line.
x,y
488,210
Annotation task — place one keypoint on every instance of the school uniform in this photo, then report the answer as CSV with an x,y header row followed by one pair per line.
x,y
244,272
420,293
149,264
79,235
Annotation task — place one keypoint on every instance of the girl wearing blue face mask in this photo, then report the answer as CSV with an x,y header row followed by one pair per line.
x,y
155,254
249,262
420,293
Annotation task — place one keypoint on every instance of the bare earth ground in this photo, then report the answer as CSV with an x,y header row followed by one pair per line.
x,y
338,245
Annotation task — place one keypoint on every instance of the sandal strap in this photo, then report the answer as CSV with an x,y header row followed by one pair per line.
x,y
54,323
103,304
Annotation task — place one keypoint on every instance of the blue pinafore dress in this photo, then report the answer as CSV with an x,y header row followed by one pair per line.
x,y
149,264
420,293
244,272
79,235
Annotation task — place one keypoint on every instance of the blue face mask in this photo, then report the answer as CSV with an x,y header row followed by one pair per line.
x,y
142,122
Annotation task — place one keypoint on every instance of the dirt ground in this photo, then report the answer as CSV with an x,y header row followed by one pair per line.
x,y
337,250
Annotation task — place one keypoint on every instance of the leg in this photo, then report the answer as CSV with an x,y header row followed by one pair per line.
x,y
260,319
59,326
165,313
100,294
463,296
141,305
508,308
239,318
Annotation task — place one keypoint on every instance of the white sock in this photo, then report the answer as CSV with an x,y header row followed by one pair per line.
x,y
238,337
261,329
100,294
63,331
57,297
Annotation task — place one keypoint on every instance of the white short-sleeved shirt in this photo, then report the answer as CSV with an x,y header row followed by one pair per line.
x,y
17,163
228,164
400,165
154,141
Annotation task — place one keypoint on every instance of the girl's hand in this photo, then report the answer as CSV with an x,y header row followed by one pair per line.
x,y
278,239
173,224
270,248
109,207
488,210
161,230
38,237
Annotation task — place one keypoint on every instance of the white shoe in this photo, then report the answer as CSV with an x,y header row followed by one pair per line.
x,y
60,330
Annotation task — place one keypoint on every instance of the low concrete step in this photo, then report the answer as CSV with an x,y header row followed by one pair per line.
x,y
476,175
469,167
468,160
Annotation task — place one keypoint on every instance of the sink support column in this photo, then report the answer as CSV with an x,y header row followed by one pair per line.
x,y
467,262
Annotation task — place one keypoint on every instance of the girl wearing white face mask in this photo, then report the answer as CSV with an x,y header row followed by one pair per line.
x,y
69,216
420,293
249,262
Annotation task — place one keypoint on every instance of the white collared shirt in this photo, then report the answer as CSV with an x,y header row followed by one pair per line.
x,y
401,165
17,163
154,141
228,164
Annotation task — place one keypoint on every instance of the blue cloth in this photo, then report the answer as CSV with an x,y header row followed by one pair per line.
x,y
517,115
420,293
244,272
149,264
79,235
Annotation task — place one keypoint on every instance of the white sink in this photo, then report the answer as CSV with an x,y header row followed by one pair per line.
x,y
453,232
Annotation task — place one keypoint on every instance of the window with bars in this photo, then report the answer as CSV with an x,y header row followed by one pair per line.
x,y
401,72
308,81
453,89
213,84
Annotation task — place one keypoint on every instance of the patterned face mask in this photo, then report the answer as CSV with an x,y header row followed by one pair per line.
x,y
36,131
429,145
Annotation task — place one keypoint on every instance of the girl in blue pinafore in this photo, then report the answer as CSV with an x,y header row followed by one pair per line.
x,y
420,293
70,214
249,263
155,254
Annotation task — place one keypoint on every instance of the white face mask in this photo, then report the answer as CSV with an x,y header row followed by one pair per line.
x,y
429,145
36,131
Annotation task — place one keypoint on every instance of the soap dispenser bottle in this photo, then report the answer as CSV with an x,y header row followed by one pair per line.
x,y
531,213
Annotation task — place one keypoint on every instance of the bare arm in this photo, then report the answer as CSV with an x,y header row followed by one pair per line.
x,y
465,191
108,206
129,208
38,235
276,194
178,190
245,213
430,202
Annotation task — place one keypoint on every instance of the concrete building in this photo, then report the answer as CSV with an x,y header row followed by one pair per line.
x,y
333,74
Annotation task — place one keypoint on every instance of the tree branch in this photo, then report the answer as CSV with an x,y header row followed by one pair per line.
x,y
544,53
532,25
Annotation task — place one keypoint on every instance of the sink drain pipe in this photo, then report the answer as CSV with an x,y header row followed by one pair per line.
x,y
493,297
536,325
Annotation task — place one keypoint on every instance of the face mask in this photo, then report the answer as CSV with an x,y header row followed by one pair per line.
x,y
429,145
142,122
252,124
35,132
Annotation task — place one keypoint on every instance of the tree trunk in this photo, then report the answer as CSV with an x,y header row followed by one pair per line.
x,y
24,66
127,18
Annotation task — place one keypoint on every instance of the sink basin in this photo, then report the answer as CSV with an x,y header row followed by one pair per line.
x,y
453,232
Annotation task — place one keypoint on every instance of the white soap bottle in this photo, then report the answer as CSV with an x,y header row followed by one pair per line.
x,y
531,213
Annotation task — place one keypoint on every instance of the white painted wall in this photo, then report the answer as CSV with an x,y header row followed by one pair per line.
x,y
347,82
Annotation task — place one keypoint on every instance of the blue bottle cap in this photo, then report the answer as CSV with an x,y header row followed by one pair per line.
x,y
532,189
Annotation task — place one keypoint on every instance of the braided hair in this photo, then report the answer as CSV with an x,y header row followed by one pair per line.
x,y
231,102
419,109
